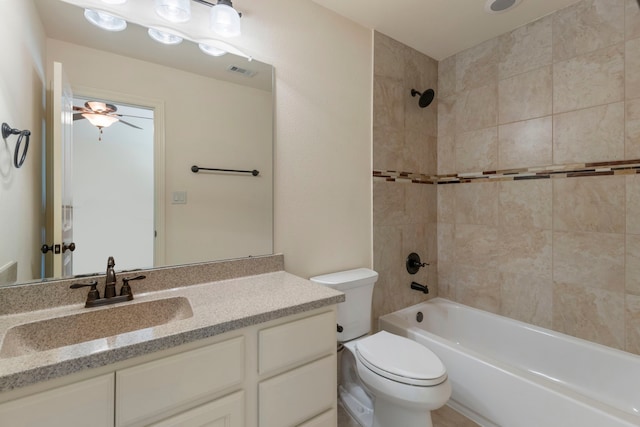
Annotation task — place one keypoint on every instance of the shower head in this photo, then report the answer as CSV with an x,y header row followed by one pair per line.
x,y
426,97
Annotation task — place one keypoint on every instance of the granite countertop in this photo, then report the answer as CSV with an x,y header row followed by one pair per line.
x,y
217,307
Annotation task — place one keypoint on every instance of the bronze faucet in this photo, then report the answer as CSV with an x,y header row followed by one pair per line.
x,y
93,298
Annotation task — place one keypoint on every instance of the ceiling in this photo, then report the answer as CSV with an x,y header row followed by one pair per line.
x,y
441,28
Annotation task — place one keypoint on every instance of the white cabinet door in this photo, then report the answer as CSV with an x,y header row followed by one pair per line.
x,y
298,395
328,419
227,411
86,403
158,389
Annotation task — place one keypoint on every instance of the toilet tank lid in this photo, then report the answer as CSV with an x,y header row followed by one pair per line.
x,y
347,279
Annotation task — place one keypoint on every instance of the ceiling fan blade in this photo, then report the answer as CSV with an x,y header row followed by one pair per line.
x,y
129,124
135,117
77,116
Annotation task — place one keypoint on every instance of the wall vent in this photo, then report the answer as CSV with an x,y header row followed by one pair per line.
x,y
245,72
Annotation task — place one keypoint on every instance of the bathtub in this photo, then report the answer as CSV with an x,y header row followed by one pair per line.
x,y
511,374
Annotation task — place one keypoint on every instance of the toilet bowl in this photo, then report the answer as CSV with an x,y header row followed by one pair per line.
x,y
385,380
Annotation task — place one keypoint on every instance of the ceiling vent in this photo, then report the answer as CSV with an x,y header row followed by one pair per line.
x,y
239,70
499,6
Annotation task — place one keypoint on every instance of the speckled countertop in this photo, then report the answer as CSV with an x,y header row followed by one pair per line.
x,y
196,312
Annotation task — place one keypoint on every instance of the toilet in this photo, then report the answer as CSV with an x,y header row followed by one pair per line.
x,y
385,380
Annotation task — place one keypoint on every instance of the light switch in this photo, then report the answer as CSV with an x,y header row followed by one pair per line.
x,y
179,198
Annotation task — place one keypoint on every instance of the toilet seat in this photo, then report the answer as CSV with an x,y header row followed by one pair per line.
x,y
400,359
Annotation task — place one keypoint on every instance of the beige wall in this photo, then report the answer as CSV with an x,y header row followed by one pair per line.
x,y
22,107
561,252
323,132
404,139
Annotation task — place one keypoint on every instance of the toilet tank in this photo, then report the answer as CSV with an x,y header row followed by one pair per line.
x,y
354,314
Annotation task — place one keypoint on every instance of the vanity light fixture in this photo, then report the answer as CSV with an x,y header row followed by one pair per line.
x,y
225,20
174,10
164,37
104,20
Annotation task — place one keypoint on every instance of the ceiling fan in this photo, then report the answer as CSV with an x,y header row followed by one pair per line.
x,y
101,115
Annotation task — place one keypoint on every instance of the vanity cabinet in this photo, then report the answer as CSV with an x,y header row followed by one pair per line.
x,y
275,374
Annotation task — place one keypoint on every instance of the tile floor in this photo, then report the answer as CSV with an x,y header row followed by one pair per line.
x,y
443,417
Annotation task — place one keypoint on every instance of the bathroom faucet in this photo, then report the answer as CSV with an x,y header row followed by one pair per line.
x,y
93,298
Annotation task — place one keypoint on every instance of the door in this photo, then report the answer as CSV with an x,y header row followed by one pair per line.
x,y
59,231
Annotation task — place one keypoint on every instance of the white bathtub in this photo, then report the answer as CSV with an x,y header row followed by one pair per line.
x,y
511,374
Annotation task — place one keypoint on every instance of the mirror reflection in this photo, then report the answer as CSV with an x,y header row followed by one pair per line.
x,y
204,112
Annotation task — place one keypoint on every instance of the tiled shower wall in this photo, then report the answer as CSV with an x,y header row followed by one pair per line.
x,y
404,139
563,253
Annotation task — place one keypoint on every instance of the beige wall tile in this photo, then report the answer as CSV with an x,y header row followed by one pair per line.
x,y
421,71
447,203
446,154
633,204
632,19
420,203
477,108
587,80
526,253
526,144
528,298
477,203
388,56
388,203
387,261
478,287
418,152
446,243
526,48
526,204
632,129
586,26
593,134
477,151
446,77
525,96
388,103
632,264
589,260
589,204
632,322
632,65
387,148
476,246
477,66
447,116
446,280
592,314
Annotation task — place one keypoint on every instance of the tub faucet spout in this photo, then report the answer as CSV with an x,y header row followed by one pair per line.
x,y
418,287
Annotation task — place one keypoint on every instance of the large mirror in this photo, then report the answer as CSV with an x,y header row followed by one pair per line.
x,y
193,109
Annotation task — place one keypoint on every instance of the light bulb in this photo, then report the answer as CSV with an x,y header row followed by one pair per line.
x,y
225,20
164,37
210,50
174,10
104,20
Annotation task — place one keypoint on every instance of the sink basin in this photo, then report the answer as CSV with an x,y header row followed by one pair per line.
x,y
91,325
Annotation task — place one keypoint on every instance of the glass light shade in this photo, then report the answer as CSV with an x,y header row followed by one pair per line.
x,y
100,120
164,37
174,10
210,50
104,20
225,20
114,1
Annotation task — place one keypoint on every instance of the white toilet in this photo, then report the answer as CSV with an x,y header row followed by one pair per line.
x,y
386,380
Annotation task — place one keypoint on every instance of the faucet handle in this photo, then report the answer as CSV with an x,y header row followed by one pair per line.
x,y
126,289
93,292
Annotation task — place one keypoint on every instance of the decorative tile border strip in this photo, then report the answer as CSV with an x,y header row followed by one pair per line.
x,y
619,167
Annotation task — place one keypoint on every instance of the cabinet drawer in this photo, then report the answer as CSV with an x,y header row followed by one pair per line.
x,y
88,402
165,386
328,419
298,395
227,411
294,343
